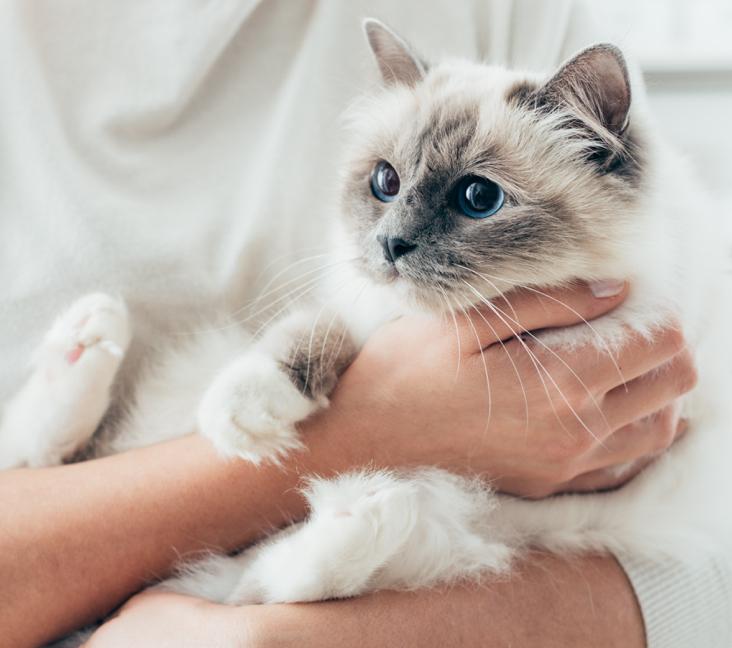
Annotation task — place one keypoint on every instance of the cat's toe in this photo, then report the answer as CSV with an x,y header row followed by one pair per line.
x,y
251,409
97,321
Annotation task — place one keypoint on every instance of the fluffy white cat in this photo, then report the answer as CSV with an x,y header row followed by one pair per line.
x,y
463,181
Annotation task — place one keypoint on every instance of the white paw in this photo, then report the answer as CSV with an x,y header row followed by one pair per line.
x,y
251,409
358,525
95,322
66,395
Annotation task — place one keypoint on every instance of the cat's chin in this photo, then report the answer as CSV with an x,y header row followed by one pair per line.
x,y
411,296
422,297
427,299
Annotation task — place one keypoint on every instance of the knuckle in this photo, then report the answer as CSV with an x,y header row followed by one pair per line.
x,y
665,432
565,455
689,377
572,398
674,338
577,415
584,444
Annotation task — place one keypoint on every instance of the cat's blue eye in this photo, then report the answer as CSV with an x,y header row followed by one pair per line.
x,y
385,182
479,197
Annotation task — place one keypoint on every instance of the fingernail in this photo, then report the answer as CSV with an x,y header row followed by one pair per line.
x,y
606,288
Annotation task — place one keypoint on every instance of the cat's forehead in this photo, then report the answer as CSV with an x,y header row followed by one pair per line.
x,y
455,117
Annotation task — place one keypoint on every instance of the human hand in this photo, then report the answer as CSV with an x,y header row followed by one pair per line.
x,y
533,420
156,619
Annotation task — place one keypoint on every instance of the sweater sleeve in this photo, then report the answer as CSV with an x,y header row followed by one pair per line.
x,y
684,603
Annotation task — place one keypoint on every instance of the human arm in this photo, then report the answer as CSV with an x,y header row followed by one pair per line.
x,y
99,530
547,602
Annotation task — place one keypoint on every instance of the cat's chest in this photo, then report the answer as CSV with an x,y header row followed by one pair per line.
x,y
362,304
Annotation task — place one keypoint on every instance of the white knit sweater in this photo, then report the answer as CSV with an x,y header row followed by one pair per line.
x,y
172,150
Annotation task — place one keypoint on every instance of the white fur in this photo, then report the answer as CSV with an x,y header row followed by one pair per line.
x,y
366,531
61,404
371,530
251,408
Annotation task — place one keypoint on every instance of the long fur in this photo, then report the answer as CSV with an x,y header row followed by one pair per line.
x,y
588,199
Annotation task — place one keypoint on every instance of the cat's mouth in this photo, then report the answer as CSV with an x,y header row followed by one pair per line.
x,y
434,288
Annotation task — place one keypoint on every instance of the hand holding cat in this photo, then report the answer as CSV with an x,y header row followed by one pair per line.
x,y
534,420
610,412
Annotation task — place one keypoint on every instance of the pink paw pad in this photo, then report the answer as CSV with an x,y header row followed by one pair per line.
x,y
73,356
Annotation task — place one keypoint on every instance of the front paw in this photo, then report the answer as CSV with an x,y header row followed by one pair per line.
x,y
251,409
94,323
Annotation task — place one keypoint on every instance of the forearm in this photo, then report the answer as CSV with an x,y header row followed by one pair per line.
x,y
77,540
548,602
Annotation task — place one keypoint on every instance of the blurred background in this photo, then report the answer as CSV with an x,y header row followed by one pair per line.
x,y
685,50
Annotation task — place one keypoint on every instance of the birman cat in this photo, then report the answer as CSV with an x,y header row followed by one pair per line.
x,y
462,181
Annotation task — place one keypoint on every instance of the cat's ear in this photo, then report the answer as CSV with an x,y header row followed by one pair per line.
x,y
594,83
396,60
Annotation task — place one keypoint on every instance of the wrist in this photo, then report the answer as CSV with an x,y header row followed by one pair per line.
x,y
336,441
259,626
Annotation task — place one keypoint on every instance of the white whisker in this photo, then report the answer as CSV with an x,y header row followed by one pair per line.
x,y
501,314
513,364
485,368
457,332
549,350
603,343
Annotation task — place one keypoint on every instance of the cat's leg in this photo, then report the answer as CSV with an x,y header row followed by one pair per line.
x,y
213,578
378,530
366,531
61,404
358,522
251,409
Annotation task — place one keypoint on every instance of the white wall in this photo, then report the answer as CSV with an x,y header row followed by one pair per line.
x,y
697,116
685,50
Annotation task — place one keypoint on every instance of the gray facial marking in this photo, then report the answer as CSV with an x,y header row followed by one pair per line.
x,y
571,181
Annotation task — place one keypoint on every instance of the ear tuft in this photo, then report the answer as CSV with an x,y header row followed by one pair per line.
x,y
396,60
596,84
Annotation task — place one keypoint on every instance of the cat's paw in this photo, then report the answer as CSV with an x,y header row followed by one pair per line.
x,y
251,409
66,395
94,323
358,524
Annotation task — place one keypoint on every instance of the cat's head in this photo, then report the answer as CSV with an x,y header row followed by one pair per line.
x,y
466,178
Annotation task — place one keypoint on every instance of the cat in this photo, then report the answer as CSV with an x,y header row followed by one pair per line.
x,y
463,181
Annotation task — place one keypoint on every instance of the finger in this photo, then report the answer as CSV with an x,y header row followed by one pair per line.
x,y
648,437
630,451
605,479
530,309
650,392
641,354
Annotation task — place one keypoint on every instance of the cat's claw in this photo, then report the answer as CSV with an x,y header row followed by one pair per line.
x,y
251,409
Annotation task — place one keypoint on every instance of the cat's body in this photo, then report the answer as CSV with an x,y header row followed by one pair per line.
x,y
590,194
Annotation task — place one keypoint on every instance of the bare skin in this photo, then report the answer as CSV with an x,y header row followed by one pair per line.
x,y
90,535
548,602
